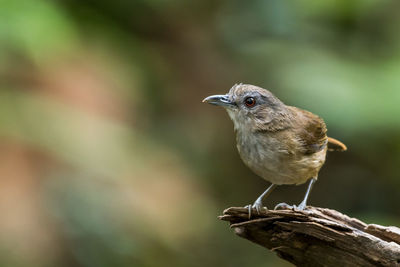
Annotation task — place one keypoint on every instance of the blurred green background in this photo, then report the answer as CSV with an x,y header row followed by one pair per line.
x,y
109,158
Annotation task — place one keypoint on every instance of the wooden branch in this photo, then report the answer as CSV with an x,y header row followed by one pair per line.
x,y
318,237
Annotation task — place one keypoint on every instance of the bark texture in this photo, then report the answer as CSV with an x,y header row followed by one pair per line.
x,y
318,237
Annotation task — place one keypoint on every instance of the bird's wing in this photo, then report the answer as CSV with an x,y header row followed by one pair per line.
x,y
336,145
312,132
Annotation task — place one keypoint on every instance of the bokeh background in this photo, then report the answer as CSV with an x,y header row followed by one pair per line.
x,y
109,158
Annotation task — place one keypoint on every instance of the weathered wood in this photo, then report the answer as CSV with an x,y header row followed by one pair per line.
x,y
318,237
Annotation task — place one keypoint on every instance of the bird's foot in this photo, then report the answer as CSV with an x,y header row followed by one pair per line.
x,y
284,206
301,206
256,205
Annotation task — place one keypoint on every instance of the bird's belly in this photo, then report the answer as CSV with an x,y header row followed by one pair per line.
x,y
277,165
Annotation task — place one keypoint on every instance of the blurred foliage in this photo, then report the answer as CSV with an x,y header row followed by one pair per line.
x,y
109,158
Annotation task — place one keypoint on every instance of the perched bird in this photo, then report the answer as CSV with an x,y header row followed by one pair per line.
x,y
280,143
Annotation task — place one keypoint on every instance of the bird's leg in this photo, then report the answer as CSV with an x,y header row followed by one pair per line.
x,y
258,203
303,204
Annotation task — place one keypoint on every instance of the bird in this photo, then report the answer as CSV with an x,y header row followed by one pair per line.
x,y
282,144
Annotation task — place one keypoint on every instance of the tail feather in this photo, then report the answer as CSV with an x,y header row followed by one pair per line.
x,y
335,145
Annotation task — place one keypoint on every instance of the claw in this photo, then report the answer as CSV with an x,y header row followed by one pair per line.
x,y
257,205
249,207
283,206
302,206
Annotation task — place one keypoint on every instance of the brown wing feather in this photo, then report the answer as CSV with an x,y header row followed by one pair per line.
x,y
312,131
336,145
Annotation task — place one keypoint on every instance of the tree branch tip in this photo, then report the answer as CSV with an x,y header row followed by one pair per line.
x,y
317,236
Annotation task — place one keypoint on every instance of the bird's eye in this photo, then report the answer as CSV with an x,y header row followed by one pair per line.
x,y
250,102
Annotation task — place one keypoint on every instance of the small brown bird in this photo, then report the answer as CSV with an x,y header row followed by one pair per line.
x,y
280,143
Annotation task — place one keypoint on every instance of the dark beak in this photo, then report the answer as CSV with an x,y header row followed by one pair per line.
x,y
219,100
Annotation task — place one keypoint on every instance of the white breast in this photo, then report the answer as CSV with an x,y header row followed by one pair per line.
x,y
269,158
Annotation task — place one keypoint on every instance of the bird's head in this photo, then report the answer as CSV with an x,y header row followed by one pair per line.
x,y
250,107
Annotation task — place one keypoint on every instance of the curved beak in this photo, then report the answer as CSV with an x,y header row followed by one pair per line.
x,y
219,100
